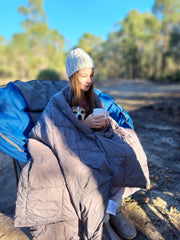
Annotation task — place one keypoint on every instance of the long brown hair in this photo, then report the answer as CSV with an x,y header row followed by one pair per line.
x,y
77,95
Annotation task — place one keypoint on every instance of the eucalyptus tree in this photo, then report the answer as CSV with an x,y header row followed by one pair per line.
x,y
139,39
168,11
46,45
111,57
18,55
4,68
91,43
175,44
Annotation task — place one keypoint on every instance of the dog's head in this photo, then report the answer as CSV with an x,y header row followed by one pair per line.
x,y
79,112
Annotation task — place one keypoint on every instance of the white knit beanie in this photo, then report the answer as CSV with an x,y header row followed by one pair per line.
x,y
78,59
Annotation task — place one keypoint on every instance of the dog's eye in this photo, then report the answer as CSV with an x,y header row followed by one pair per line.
x,y
74,111
82,111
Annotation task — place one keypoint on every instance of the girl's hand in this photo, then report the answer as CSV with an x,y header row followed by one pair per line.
x,y
96,122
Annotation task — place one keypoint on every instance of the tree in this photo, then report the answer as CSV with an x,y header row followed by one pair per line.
x,y
138,39
90,43
4,68
33,13
168,12
46,45
18,55
175,44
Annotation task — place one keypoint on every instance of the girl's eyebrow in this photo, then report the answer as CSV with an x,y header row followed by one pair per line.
x,y
82,73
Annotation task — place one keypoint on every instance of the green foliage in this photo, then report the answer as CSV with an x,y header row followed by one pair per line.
x,y
142,46
133,48
39,47
174,49
173,77
90,43
5,73
99,77
168,12
33,13
48,74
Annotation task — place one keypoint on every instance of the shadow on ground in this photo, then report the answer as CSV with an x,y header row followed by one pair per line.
x,y
156,211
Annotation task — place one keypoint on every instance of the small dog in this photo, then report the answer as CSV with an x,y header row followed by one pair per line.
x,y
79,112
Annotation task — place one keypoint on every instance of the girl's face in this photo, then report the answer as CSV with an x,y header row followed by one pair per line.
x,y
85,78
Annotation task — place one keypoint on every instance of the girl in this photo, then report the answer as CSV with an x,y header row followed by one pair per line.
x,y
80,170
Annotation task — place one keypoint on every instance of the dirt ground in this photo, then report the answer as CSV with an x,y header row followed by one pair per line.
x,y
155,111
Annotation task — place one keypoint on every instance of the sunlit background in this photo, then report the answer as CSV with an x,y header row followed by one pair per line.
x,y
128,39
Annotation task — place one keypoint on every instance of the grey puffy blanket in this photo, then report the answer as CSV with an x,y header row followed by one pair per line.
x,y
74,169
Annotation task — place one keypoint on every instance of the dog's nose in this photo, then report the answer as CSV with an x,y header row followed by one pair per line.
x,y
79,116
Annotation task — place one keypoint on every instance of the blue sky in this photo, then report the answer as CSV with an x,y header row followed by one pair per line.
x,y
72,18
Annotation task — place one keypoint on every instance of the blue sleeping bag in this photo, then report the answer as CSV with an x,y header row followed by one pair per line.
x,y
116,111
16,120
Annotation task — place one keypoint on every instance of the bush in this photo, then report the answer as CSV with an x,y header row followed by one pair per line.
x,y
5,74
174,77
48,74
99,77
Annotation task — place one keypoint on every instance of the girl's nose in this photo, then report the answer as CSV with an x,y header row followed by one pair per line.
x,y
89,79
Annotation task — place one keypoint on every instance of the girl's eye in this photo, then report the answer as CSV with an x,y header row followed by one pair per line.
x,y
82,75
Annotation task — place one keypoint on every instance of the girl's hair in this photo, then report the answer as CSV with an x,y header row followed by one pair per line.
x,y
76,94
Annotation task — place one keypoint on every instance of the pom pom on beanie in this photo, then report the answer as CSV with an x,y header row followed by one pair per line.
x,y
78,59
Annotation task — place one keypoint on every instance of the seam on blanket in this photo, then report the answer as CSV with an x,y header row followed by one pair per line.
x,y
43,188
